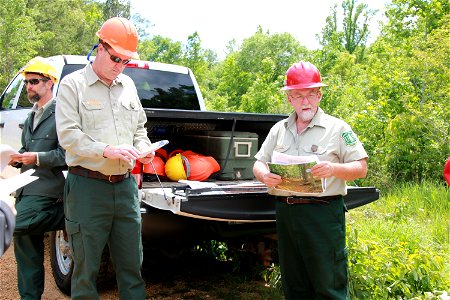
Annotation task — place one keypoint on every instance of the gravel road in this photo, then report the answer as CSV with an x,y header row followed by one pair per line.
x,y
190,279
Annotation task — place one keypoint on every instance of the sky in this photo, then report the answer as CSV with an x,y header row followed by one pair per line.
x,y
218,22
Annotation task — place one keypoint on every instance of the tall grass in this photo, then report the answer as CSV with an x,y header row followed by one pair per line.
x,y
399,245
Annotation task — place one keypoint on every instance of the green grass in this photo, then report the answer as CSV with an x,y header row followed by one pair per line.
x,y
400,245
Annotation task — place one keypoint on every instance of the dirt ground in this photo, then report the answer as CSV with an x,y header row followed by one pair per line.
x,y
197,278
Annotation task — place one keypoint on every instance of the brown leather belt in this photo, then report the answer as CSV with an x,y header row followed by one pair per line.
x,y
77,170
307,200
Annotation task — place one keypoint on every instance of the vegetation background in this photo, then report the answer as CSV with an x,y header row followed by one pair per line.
x,y
395,93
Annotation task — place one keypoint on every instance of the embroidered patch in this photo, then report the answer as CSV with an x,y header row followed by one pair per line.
x,y
349,138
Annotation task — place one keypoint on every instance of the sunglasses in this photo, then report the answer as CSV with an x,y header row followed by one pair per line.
x,y
116,59
35,81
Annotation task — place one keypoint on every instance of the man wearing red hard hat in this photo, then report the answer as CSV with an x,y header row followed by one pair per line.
x,y
100,122
311,230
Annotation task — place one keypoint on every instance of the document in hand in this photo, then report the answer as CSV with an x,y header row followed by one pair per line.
x,y
153,147
295,172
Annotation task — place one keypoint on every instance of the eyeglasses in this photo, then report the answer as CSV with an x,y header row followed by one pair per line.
x,y
310,97
35,81
116,59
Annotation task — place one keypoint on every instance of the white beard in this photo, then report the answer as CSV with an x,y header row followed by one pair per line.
x,y
306,116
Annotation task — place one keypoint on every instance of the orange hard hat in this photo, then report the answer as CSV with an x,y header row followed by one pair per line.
x,y
121,35
302,75
200,166
161,153
159,165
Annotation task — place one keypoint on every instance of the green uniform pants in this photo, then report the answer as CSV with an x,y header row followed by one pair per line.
x,y
99,213
35,216
313,255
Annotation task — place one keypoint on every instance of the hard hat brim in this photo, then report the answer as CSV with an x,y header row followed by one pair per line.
x,y
303,86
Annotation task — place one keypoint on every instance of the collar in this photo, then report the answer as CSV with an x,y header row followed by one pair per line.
x,y
93,78
35,109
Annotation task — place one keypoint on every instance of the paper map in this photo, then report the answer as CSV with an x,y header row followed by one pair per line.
x,y
296,173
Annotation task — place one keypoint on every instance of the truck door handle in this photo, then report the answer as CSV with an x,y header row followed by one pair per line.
x,y
21,125
2,124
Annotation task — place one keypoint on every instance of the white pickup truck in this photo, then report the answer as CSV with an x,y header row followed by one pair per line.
x,y
176,216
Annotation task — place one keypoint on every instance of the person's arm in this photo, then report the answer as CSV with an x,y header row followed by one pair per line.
x,y
262,173
346,171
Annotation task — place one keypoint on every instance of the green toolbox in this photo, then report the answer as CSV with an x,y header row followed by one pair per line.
x,y
233,151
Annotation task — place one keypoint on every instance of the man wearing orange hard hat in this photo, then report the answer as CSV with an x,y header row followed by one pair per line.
x,y
311,229
100,123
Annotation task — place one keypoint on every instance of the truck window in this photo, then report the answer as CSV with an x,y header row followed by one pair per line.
x,y
7,99
161,89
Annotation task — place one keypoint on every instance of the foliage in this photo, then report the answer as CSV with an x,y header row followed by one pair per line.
x,y
394,93
19,38
398,245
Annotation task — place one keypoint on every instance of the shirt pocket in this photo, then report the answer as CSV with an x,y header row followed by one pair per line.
x,y
94,115
281,148
314,149
130,114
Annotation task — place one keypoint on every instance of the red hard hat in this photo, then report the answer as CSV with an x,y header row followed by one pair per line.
x,y
302,75
158,163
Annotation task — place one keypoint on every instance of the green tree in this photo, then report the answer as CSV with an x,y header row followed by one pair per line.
x,y
19,38
66,31
261,61
161,49
116,8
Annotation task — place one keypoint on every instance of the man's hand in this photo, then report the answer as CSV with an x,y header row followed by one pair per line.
x,y
147,159
323,169
123,152
271,180
26,158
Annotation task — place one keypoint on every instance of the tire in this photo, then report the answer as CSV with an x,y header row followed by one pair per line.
x,y
61,261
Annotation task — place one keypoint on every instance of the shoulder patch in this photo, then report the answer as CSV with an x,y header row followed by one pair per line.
x,y
349,138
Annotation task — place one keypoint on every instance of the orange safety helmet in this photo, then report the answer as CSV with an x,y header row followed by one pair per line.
x,y
121,35
302,75
159,165
190,165
201,167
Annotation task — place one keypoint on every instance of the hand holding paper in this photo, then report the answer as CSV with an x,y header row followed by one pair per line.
x,y
153,147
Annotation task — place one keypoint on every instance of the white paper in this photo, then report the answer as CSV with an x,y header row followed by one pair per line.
x,y
286,159
153,147
5,155
9,185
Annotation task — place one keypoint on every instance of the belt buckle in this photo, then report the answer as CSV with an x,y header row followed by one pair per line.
x,y
109,178
289,198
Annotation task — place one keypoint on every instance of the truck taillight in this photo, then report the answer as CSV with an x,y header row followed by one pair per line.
x,y
138,174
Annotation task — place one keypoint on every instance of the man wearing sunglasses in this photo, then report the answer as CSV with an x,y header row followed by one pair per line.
x,y
38,204
100,123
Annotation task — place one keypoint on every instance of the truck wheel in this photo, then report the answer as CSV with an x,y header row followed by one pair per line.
x,y
61,260
62,263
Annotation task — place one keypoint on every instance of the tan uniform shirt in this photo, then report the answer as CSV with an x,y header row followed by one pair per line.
x,y
329,138
91,115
